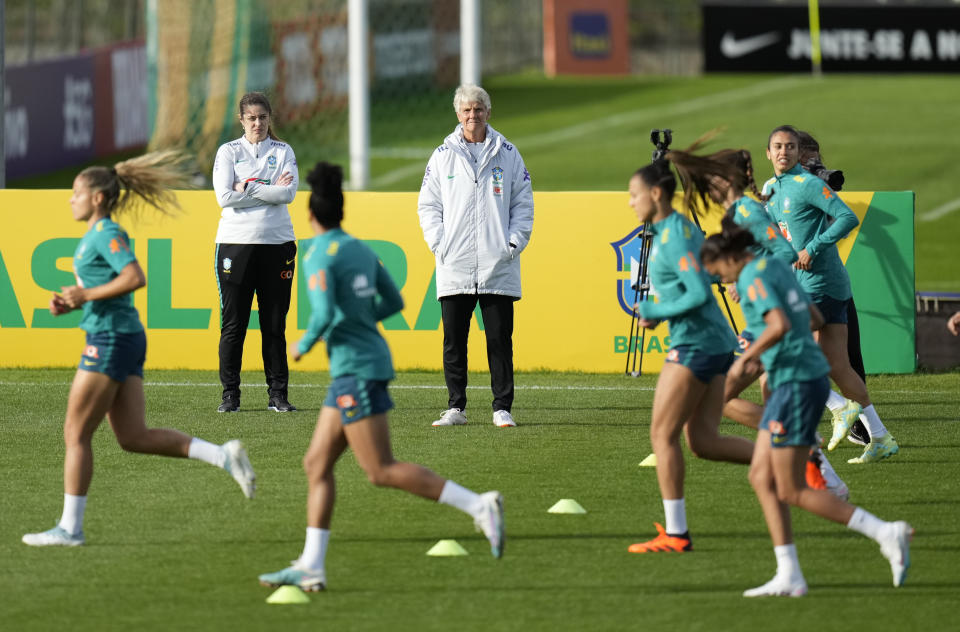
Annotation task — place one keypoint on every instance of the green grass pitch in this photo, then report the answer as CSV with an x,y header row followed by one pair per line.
x,y
173,545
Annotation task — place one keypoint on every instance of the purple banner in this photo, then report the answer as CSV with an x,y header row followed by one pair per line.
x,y
49,115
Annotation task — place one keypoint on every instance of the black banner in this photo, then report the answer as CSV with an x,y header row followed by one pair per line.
x,y
870,38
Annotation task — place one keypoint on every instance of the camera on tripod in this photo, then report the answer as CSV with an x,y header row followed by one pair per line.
x,y
662,143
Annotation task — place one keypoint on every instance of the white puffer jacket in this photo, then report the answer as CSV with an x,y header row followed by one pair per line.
x,y
476,216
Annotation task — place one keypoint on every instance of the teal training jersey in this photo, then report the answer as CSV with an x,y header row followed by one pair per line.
x,y
350,292
100,256
751,215
801,204
767,283
682,289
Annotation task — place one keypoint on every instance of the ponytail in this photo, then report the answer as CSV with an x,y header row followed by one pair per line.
x,y
148,179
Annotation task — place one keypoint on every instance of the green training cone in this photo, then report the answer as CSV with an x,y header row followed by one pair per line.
x,y
288,594
650,461
447,548
567,506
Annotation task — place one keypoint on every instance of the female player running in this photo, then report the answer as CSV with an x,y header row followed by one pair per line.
x,y
689,394
109,380
724,176
801,203
778,311
350,292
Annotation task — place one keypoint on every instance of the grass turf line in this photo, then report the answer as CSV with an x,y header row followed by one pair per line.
x,y
173,544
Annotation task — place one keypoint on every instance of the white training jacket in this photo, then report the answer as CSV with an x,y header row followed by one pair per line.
x,y
258,215
476,216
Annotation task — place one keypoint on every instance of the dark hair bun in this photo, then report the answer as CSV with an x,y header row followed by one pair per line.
x,y
326,180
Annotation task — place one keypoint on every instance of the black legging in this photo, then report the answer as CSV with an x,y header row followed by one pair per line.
x,y
853,341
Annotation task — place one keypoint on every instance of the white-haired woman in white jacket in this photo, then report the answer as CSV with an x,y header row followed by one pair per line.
x,y
476,212
255,177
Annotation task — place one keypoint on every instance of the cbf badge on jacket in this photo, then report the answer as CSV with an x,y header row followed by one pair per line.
x,y
497,181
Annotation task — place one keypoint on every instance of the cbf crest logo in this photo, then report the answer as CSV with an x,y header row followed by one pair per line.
x,y
272,162
629,255
497,181
227,264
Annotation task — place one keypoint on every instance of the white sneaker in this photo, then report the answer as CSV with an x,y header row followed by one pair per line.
x,y
451,417
56,536
238,465
503,419
779,587
895,546
490,522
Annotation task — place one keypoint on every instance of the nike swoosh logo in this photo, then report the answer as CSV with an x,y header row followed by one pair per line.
x,y
289,261
451,177
731,47
88,363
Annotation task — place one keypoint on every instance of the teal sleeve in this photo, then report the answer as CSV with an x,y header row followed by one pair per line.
x,y
830,203
696,292
776,243
390,302
113,246
321,289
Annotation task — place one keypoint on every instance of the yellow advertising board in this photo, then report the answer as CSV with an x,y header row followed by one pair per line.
x,y
573,315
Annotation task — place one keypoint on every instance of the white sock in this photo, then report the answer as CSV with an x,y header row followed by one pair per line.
x,y
461,498
836,401
788,566
872,421
315,549
207,452
675,512
864,522
71,520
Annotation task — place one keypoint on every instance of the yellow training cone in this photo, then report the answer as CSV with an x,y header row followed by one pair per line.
x,y
567,506
447,548
288,594
650,461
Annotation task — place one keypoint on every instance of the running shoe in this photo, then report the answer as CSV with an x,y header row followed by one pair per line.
x,y
229,405
308,580
56,536
843,420
832,481
451,417
895,546
490,522
779,587
877,450
858,434
663,543
814,477
279,404
238,466
503,419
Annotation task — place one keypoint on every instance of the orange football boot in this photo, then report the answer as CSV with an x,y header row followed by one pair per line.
x,y
815,479
663,543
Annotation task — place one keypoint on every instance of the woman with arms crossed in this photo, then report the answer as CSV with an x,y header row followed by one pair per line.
x,y
255,177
